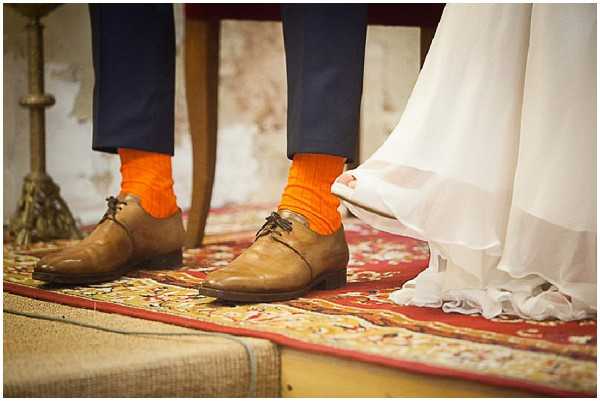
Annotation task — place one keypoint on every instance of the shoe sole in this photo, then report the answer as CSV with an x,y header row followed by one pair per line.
x,y
166,261
329,281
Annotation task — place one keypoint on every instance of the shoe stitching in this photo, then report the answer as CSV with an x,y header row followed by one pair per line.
x,y
114,206
273,225
310,269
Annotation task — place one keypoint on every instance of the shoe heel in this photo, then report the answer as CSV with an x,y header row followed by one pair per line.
x,y
334,280
166,261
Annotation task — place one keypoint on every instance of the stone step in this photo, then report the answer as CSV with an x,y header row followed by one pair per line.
x,y
52,359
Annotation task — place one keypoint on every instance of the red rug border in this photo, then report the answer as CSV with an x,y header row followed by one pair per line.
x,y
418,367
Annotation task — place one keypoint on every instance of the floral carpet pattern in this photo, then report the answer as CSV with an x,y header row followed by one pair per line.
x,y
357,322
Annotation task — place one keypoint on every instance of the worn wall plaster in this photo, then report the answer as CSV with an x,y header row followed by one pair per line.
x,y
251,162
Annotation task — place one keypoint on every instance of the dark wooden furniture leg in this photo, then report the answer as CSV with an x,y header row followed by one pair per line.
x,y
426,36
201,83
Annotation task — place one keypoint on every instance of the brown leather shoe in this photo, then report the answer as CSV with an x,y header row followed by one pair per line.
x,y
126,238
286,260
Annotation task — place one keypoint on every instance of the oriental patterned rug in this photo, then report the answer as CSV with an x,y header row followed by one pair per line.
x,y
357,322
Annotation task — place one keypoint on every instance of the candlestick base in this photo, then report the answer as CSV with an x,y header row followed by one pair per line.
x,y
42,214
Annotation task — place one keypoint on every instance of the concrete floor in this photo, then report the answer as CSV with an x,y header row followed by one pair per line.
x,y
44,358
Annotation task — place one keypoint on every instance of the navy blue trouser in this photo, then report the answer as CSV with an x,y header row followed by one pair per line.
x,y
134,64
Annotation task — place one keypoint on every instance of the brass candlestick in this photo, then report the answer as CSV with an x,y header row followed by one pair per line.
x,y
41,212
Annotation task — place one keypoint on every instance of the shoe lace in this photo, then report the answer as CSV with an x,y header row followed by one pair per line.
x,y
114,205
274,223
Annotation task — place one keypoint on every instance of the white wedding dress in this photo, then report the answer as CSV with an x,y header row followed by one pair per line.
x,y
494,164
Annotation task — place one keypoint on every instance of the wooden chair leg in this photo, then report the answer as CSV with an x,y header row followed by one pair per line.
x,y
202,82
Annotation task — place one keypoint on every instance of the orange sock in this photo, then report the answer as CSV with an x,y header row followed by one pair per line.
x,y
148,175
308,190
